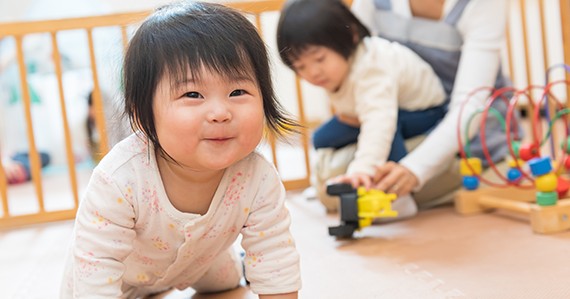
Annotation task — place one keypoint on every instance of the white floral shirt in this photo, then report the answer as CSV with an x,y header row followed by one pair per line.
x,y
129,240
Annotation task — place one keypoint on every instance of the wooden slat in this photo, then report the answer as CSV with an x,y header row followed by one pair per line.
x,y
505,204
119,19
467,202
297,184
66,131
97,99
124,38
543,33
545,50
509,46
35,164
3,189
257,6
303,120
526,45
43,217
23,28
565,19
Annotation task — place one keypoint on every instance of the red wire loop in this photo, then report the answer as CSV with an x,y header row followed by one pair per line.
x,y
511,124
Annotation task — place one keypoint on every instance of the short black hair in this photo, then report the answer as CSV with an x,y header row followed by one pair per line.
x,y
190,35
328,23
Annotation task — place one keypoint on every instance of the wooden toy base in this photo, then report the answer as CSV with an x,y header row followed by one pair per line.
x,y
543,219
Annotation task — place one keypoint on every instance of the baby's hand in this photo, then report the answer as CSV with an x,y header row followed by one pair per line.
x,y
355,179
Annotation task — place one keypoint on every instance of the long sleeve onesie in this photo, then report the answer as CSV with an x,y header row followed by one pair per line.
x,y
129,240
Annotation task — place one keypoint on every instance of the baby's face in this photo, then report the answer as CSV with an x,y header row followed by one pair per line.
x,y
321,66
211,123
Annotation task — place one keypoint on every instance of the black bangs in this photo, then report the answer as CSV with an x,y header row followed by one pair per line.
x,y
327,23
192,42
302,28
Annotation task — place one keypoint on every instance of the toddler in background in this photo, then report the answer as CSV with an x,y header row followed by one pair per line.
x,y
382,93
165,205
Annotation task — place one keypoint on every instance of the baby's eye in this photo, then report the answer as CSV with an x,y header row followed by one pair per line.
x,y
237,92
193,94
321,58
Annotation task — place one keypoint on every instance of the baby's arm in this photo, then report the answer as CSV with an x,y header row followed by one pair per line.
x,y
271,261
102,239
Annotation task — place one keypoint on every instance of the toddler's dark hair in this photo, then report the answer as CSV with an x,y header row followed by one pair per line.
x,y
328,23
184,37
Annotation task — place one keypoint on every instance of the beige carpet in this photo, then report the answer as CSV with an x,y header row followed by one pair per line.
x,y
438,254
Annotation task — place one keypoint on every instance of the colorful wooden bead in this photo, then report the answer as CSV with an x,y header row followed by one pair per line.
x,y
529,151
476,166
546,198
470,182
540,166
514,163
546,183
514,175
562,187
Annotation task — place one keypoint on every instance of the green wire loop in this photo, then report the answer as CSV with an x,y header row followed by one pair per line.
x,y
493,111
558,115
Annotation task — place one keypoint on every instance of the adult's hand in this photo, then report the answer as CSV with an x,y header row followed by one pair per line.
x,y
392,177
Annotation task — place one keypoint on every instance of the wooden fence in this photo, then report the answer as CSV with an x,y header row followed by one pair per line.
x,y
518,26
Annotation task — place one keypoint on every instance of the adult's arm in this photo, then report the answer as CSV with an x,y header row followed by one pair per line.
x,y
483,28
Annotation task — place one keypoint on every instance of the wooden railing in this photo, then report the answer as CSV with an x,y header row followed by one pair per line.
x,y
538,39
253,8
18,30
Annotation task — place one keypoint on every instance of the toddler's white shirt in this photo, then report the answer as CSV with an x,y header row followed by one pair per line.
x,y
383,77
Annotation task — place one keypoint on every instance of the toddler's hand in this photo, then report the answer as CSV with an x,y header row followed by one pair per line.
x,y
356,180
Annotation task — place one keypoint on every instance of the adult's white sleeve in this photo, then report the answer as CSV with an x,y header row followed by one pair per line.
x,y
483,27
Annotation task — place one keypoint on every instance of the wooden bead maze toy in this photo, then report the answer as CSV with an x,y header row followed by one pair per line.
x,y
534,184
